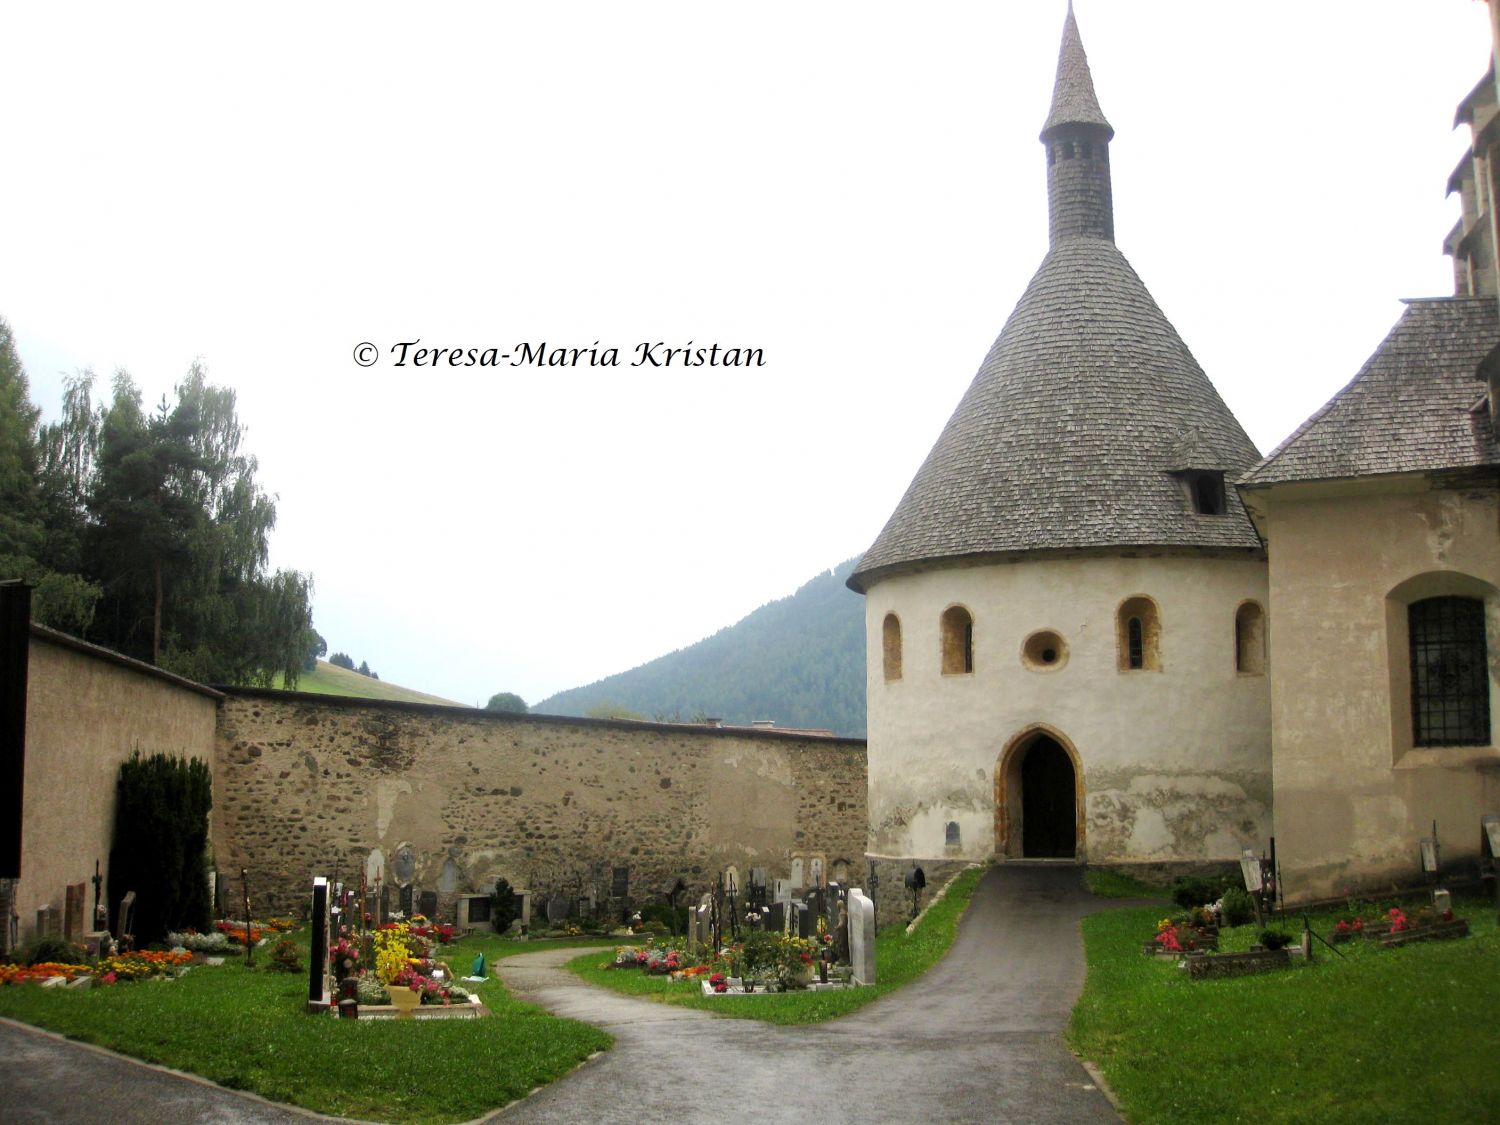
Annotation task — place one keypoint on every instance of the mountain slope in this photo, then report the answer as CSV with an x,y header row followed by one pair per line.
x,y
329,679
799,661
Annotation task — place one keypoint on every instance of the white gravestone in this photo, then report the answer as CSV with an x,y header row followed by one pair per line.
x,y
861,936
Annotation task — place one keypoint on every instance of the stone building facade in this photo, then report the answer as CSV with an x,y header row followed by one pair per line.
x,y
1066,611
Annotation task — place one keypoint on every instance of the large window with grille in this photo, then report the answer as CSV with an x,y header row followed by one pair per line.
x,y
1450,690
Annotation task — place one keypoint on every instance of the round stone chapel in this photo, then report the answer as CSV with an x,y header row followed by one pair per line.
x,y
1066,613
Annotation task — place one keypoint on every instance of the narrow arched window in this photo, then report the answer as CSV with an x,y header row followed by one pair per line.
x,y
1450,691
958,641
1250,640
1138,635
891,646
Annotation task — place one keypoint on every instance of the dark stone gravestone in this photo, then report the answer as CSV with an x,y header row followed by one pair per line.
x,y
775,916
318,998
405,900
757,889
385,905
73,917
223,896
557,910
427,904
620,883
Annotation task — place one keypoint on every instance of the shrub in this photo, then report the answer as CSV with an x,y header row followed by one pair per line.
x,y
284,957
52,949
505,906
160,844
371,991
1239,907
674,919
1194,890
1275,939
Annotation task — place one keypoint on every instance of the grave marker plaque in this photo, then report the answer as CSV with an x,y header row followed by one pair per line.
x,y
73,907
1250,870
427,904
1490,825
1429,849
620,883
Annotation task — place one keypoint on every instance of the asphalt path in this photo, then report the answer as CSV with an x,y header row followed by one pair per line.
x,y
977,1039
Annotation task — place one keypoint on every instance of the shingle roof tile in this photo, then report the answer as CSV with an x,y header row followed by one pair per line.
x,y
1411,408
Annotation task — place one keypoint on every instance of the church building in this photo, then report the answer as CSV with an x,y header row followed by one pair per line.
x,y
1067,611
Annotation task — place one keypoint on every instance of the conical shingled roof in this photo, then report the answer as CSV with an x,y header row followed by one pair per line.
x,y
1073,99
1069,435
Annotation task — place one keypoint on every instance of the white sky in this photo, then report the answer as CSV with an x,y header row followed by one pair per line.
x,y
857,189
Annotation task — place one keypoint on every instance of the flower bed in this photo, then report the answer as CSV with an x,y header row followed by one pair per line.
x,y
122,967
1399,928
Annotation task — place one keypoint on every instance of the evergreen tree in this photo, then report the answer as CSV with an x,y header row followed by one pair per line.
x,y
506,701
161,843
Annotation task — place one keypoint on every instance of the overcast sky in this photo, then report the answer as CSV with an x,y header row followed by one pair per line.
x,y
855,189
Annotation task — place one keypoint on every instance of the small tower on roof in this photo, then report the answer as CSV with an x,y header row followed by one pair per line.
x,y
1077,137
1065,612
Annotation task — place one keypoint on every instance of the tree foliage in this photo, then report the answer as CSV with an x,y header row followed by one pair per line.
x,y
506,701
145,531
160,844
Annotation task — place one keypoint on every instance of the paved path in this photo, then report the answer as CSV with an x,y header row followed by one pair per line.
x,y
978,1039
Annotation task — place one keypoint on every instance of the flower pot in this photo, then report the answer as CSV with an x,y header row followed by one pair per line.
x,y
405,1000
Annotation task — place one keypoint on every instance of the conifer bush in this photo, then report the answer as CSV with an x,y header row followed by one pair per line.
x,y
160,844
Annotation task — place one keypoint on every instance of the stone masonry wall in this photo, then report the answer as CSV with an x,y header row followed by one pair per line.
x,y
311,785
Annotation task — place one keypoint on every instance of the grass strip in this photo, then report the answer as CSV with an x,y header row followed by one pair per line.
x,y
899,958
1105,883
248,1029
1405,1034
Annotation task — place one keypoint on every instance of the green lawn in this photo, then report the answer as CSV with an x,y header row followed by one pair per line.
x,y
1381,1035
248,1029
329,679
899,959
1116,884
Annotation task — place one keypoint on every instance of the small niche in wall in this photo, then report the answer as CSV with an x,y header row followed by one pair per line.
x,y
1044,651
951,839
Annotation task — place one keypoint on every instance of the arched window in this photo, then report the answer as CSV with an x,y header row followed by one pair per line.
x,y
1450,691
958,641
1138,635
891,643
1250,640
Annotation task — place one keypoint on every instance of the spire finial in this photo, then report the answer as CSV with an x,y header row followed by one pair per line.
x,y
1073,98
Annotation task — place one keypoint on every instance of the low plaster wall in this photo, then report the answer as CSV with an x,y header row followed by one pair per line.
x,y
88,710
311,785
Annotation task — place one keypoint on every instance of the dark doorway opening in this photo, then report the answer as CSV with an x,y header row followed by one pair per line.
x,y
1049,795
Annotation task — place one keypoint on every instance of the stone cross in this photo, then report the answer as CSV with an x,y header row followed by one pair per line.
x,y
862,937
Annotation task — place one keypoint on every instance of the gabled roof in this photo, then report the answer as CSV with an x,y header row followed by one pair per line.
x,y
1413,407
1069,434
1073,98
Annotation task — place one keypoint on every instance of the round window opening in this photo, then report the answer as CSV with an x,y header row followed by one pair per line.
x,y
1044,651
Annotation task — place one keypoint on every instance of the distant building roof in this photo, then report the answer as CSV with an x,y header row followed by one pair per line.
x,y
1415,406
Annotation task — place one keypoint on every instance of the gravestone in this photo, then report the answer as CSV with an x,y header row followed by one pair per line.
x,y
1490,823
775,917
816,869
73,918
125,922
223,896
385,905
448,880
49,922
557,910
427,904
405,900
619,882
318,997
404,865
374,866
862,937
796,879
841,933
782,890
757,890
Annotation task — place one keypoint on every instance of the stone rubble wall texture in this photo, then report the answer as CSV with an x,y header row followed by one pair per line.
x,y
86,712
309,785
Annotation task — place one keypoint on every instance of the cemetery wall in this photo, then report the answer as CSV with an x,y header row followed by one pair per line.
x,y
1353,794
87,710
450,799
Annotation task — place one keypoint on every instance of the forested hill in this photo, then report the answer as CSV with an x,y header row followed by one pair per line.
x,y
799,661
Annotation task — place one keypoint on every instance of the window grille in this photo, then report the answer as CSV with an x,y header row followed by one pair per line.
x,y
1450,698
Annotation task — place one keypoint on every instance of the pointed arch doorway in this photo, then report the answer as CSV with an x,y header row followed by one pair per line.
x,y
1039,797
